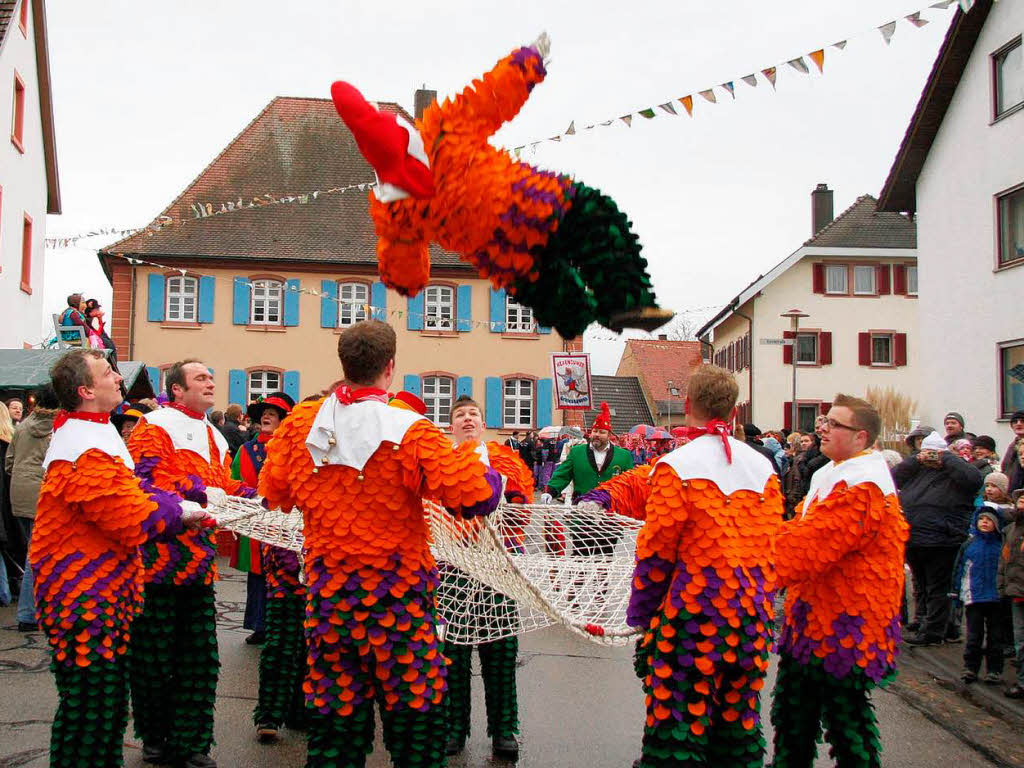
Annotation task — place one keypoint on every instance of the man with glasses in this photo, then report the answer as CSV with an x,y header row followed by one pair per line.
x,y
841,561
1011,464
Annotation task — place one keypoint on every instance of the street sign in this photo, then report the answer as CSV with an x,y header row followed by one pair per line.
x,y
777,342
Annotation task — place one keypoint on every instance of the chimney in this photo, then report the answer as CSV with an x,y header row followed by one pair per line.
x,y
422,99
662,337
821,208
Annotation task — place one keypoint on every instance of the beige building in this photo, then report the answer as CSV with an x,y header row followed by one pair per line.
x,y
663,367
261,292
856,282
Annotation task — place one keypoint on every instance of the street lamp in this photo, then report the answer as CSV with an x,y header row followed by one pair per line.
x,y
671,386
794,316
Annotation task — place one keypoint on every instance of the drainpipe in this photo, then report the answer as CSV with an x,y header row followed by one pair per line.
x,y
131,315
750,368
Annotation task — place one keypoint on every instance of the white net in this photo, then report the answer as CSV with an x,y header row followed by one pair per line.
x,y
524,567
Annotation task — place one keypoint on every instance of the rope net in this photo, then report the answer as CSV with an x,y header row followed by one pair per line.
x,y
523,567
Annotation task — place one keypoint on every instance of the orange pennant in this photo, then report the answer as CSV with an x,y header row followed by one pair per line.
x,y
818,57
687,102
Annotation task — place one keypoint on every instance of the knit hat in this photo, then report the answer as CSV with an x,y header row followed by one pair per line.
x,y
990,513
957,416
1016,415
604,419
984,441
919,431
750,430
999,480
934,443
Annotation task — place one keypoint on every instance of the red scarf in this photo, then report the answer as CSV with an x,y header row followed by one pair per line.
x,y
713,427
187,411
95,418
347,396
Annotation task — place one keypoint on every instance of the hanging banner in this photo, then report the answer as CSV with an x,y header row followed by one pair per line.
x,y
572,381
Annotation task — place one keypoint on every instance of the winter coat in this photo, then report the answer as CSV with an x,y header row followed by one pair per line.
x,y
24,460
1011,466
937,502
235,435
766,452
810,462
580,468
1011,565
977,566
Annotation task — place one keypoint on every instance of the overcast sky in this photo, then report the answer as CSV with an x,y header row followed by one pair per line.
x,y
147,93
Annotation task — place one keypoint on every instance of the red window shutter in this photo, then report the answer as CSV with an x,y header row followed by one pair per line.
x,y
818,280
824,408
883,279
787,417
899,347
825,347
899,279
864,348
787,351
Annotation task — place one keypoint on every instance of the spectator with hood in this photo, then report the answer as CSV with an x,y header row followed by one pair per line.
x,y
915,436
1011,464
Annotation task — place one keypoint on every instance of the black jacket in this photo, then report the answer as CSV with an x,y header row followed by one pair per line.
x,y
1011,466
764,452
233,433
937,502
810,462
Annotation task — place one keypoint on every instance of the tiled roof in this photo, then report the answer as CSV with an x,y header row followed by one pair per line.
x,y
625,400
862,225
660,361
294,146
6,14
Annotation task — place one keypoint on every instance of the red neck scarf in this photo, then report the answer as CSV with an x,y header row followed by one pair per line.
x,y
713,427
95,418
264,437
187,411
347,396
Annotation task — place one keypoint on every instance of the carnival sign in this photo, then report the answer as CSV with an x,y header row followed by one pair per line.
x,y
572,382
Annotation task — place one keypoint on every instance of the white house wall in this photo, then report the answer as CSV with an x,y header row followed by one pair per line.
x,y
967,307
23,183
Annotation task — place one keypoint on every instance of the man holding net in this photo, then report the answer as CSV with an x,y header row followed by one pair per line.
x,y
498,657
359,469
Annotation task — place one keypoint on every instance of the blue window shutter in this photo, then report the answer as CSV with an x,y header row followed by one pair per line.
x,y
543,329
379,302
492,403
291,302
154,377
497,307
291,384
328,304
464,386
240,301
464,307
543,403
155,298
207,289
236,386
412,384
414,312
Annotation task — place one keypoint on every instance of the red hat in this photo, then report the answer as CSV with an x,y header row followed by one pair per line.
x,y
604,419
409,402
386,144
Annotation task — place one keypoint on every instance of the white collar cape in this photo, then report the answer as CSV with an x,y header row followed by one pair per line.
x,y
348,435
186,433
75,437
866,468
705,459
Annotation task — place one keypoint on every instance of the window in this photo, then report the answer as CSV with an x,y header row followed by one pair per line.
x,y
439,308
1011,226
881,349
267,297
864,280
836,278
806,416
182,298
518,403
352,301
26,255
806,346
437,394
518,319
1011,376
263,384
1008,67
911,280
18,114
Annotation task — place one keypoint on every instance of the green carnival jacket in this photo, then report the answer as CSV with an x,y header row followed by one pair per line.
x,y
580,468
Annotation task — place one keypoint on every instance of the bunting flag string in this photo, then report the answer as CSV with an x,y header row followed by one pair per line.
x,y
799,64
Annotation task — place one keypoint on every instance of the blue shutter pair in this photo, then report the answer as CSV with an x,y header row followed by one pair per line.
x,y
242,298
497,306
329,303
156,289
238,386
494,403
463,310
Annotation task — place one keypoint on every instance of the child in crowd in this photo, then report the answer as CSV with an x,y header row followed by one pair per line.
x,y
1011,584
974,582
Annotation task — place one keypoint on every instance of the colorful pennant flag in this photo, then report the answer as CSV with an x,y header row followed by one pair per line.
x,y
966,5
799,65
770,74
943,4
818,57
916,20
888,30
648,113
687,102
750,80
627,119
840,45
709,94
667,106
571,130
730,88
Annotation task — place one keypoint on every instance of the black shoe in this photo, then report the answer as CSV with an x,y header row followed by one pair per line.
x,y
914,626
454,746
968,676
266,732
199,760
154,755
953,639
923,640
1014,692
256,638
993,678
506,747
28,626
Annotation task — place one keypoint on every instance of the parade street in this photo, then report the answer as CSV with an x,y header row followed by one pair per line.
x,y
580,702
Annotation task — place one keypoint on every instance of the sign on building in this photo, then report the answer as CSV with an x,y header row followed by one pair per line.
x,y
572,381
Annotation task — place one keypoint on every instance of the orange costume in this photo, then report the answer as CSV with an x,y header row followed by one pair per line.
x,y
841,561
174,650
358,470
702,594
92,516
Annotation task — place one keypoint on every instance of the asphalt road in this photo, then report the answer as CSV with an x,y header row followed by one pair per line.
x,y
580,705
